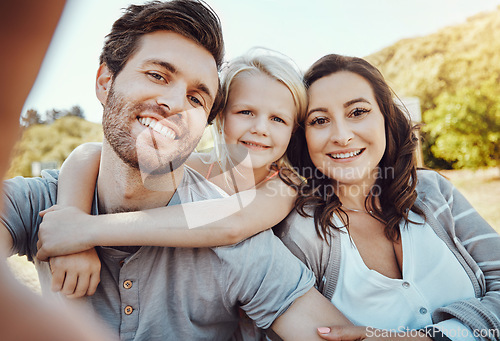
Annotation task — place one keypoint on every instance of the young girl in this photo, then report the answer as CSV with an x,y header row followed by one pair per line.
x,y
263,94
392,247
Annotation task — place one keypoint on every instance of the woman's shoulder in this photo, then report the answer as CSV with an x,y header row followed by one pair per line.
x,y
429,181
433,189
297,228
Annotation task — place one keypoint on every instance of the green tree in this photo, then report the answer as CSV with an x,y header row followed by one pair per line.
x,y
51,142
465,126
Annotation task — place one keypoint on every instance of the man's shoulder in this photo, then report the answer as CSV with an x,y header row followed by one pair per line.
x,y
256,249
24,198
44,185
195,187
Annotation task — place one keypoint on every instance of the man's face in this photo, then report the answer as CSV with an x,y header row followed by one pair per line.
x,y
157,106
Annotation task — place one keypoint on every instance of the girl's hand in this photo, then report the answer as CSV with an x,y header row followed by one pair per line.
x,y
76,275
63,231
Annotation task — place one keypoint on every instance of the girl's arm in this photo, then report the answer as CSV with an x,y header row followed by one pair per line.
x,y
206,223
77,275
78,177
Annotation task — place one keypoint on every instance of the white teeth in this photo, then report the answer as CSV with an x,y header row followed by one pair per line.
x,y
345,155
157,126
253,144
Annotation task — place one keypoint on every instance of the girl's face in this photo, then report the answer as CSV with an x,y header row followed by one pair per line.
x,y
345,129
259,119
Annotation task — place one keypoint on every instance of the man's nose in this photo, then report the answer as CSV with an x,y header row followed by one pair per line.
x,y
173,99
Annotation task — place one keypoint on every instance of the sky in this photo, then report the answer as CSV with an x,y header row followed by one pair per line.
x,y
304,30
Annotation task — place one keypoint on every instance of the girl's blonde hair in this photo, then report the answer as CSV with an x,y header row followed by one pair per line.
x,y
258,61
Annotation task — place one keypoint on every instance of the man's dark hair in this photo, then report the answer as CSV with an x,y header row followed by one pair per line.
x,y
192,19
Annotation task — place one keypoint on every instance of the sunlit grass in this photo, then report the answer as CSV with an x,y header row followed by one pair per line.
x,y
482,189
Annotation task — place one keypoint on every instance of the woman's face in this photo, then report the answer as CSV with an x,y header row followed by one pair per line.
x,y
345,129
259,119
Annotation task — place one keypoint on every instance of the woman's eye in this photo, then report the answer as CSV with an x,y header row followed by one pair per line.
x,y
358,112
318,121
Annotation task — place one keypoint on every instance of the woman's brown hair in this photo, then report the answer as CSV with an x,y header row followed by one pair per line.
x,y
396,193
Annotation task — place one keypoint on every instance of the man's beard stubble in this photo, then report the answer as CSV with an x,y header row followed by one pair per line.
x,y
118,118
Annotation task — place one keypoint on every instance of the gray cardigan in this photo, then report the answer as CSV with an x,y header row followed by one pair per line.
x,y
475,244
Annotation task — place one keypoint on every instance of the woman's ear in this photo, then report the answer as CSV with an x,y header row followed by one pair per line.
x,y
103,83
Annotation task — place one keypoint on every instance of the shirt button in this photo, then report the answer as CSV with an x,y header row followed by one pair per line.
x,y
127,284
423,311
406,285
128,310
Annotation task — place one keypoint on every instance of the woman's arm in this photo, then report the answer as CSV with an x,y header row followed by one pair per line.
x,y
479,245
206,223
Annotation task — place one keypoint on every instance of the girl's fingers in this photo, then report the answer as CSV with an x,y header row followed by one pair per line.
x,y
50,209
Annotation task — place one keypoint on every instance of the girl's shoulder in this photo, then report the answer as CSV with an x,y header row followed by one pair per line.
x,y
199,162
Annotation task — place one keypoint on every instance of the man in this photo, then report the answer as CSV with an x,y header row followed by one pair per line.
x,y
160,64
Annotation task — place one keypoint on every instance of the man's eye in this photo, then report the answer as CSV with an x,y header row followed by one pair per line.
x,y
156,76
195,100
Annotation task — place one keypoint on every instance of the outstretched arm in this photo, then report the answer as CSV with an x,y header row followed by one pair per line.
x,y
206,223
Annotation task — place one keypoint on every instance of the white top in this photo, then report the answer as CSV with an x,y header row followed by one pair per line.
x,y
432,278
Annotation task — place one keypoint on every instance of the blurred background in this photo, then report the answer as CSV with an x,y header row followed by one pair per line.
x,y
439,56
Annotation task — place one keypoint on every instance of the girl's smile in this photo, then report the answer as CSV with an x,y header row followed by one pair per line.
x,y
259,117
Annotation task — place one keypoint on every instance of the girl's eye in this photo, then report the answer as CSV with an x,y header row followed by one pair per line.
x,y
156,76
358,112
318,121
277,119
245,112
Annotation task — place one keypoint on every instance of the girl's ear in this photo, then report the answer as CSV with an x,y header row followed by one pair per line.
x,y
103,83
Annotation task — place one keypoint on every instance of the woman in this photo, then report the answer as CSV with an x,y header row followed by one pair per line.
x,y
392,247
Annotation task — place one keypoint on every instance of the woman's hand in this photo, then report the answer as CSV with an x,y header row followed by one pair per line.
x,y
358,333
63,231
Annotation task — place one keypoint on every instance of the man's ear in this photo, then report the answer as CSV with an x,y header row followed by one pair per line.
x,y
103,83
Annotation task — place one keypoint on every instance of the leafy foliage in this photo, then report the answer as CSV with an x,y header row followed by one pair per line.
x,y
444,70
51,142
465,126
32,116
